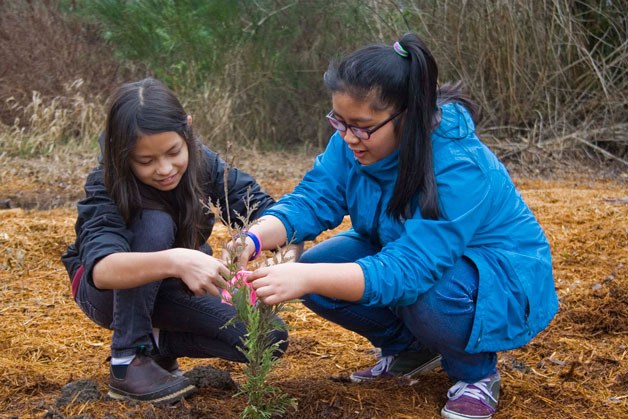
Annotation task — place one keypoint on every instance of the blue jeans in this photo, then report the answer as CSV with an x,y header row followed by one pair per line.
x,y
441,319
189,326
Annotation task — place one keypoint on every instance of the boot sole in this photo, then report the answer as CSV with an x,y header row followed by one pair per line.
x,y
158,397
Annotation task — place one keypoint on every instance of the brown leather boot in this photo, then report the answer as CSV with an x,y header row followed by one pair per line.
x,y
147,381
168,363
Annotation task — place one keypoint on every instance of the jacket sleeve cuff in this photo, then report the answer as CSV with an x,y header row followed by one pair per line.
x,y
290,231
368,287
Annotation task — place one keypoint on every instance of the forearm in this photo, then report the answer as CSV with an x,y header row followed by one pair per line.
x,y
344,281
271,231
133,269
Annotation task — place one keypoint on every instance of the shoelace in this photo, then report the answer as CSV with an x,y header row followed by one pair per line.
x,y
478,390
382,365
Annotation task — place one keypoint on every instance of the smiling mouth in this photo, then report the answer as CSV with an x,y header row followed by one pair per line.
x,y
168,180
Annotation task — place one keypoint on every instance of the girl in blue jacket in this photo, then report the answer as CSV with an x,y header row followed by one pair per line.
x,y
444,258
140,264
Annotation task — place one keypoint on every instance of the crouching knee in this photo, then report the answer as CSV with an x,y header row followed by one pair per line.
x,y
280,338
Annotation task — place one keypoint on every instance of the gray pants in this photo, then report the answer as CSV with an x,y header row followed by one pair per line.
x,y
189,326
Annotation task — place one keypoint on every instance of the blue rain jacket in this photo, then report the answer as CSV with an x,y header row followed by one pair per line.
x,y
483,217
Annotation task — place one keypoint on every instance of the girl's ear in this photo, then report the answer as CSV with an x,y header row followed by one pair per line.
x,y
189,119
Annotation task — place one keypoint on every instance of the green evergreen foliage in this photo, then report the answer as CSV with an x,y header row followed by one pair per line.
x,y
268,55
180,41
264,400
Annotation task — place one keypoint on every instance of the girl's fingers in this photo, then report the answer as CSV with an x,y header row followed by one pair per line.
x,y
207,290
268,299
265,285
257,274
262,291
221,283
220,278
212,290
224,271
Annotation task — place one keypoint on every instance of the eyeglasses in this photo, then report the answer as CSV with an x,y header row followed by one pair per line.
x,y
361,133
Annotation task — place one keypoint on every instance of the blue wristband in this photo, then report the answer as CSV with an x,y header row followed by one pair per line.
x,y
257,242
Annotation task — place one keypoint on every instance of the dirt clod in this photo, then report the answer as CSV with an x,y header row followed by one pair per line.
x,y
205,376
79,392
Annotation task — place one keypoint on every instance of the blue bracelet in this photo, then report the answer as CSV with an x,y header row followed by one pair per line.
x,y
257,242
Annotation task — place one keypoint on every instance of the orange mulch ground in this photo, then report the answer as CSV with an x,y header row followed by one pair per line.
x,y
577,368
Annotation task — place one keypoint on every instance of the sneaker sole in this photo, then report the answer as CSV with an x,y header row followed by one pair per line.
x,y
358,379
425,368
422,370
452,415
168,398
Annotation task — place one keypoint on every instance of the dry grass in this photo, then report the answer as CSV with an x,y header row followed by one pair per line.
x,y
43,52
54,77
68,120
577,368
551,77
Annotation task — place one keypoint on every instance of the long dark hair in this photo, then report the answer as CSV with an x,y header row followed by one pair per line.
x,y
142,108
379,74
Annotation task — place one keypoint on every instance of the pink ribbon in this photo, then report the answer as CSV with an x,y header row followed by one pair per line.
x,y
240,278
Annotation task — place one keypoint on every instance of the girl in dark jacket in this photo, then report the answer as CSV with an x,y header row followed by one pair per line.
x,y
141,265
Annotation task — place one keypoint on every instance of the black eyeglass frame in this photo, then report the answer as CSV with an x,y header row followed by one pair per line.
x,y
359,131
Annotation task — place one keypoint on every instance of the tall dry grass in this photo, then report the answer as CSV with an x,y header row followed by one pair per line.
x,y
54,74
69,120
550,76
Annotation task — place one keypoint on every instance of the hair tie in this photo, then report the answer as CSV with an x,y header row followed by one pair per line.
x,y
400,50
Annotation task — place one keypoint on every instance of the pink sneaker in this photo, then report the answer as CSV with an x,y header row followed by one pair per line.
x,y
473,400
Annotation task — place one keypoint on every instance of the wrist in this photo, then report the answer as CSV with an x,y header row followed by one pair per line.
x,y
172,259
256,240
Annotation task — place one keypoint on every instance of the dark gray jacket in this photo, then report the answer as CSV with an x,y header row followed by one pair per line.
x,y
101,230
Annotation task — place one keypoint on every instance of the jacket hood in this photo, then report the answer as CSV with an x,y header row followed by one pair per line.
x,y
456,122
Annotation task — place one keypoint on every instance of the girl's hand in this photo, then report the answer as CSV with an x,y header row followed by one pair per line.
x,y
203,274
239,251
287,254
280,283
270,233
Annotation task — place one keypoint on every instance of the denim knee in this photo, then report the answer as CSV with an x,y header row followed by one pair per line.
x,y
444,315
281,337
318,303
344,247
153,230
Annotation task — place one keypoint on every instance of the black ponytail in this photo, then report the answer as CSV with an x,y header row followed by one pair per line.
x,y
416,166
402,81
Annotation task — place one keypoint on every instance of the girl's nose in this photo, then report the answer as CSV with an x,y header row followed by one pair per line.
x,y
350,137
164,168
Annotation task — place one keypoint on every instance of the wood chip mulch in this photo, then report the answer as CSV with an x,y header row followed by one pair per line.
x,y
577,368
